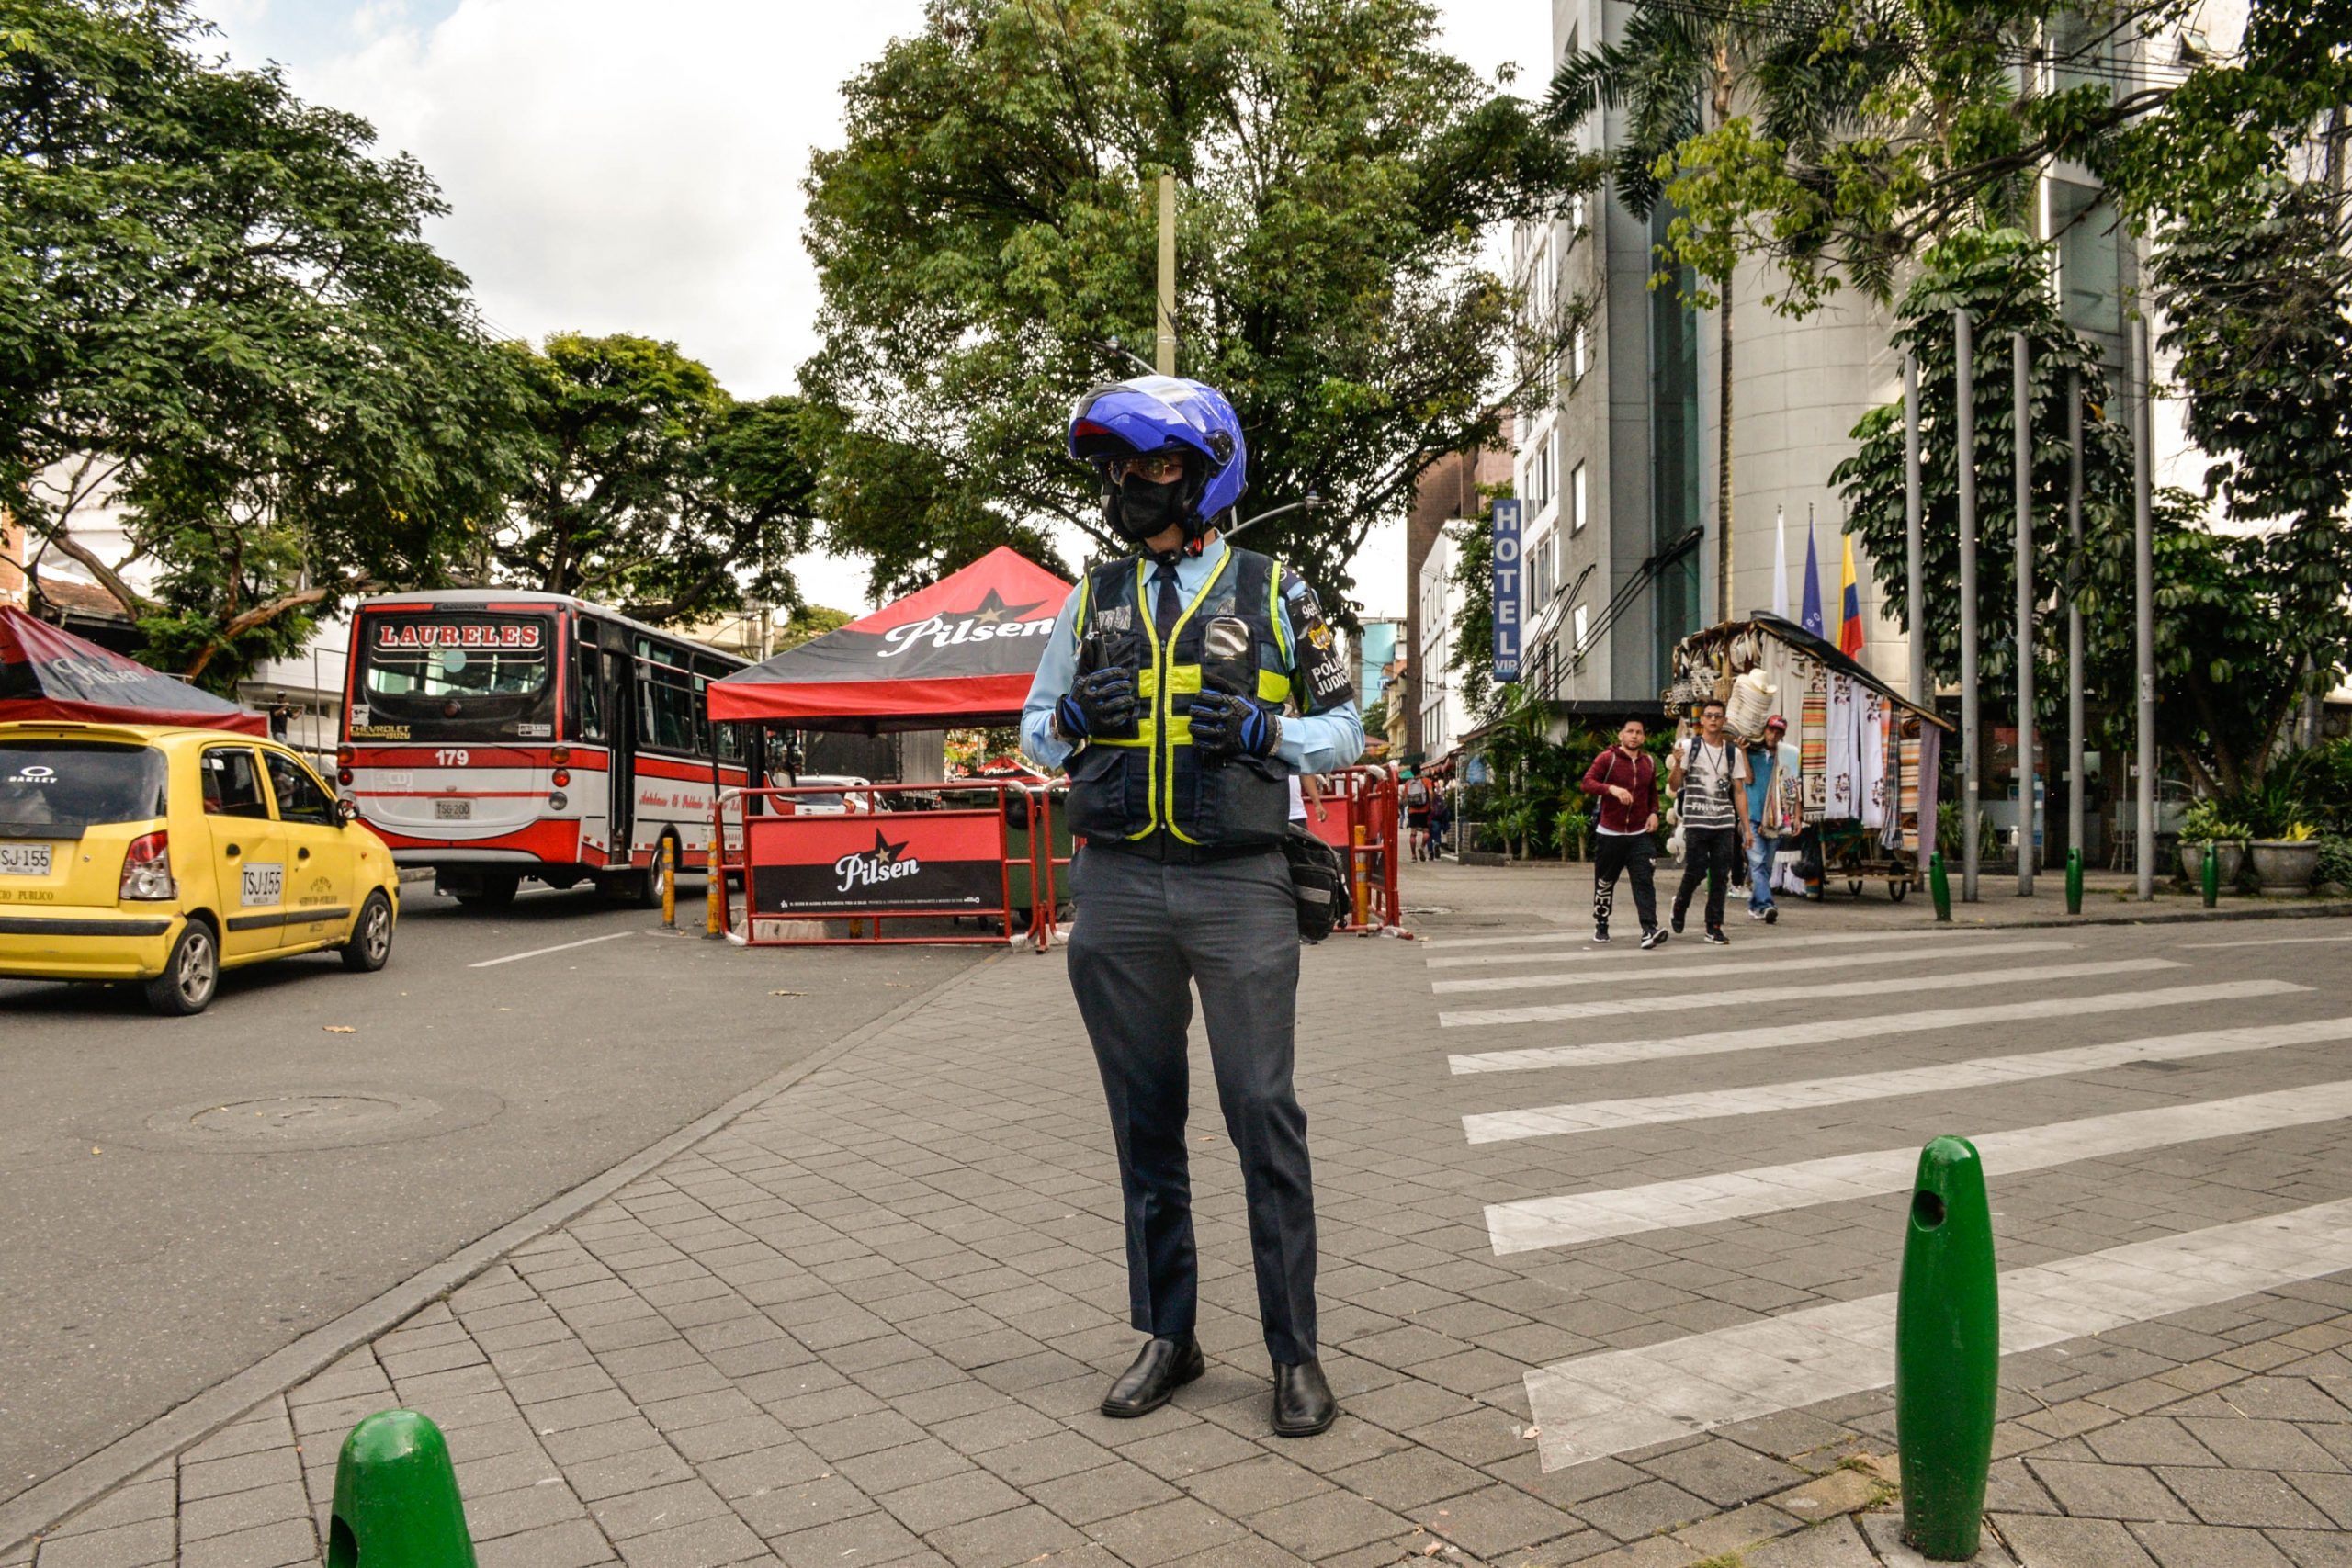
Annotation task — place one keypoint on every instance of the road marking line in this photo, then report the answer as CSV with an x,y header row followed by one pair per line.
x,y
1980,1072
542,951
1817,940
1828,1030
1531,1224
1777,945
1640,972
1611,1400
2270,942
1550,1012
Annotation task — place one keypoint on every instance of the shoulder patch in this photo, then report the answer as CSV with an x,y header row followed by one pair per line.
x,y
1322,664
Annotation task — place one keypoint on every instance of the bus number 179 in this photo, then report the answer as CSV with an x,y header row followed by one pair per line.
x,y
449,759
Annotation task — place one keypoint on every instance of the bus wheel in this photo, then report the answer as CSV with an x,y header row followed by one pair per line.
x,y
493,892
639,889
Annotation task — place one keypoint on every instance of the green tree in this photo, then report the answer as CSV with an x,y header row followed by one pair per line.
x,y
808,622
990,221
649,486
217,309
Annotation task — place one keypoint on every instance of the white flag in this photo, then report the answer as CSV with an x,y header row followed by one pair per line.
x,y
1780,563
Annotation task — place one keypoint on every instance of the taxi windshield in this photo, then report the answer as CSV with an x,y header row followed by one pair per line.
x,y
48,787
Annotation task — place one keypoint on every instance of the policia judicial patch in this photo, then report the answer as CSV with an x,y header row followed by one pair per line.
x,y
1322,667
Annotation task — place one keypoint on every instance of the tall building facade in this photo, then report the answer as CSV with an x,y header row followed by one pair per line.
x,y
1445,492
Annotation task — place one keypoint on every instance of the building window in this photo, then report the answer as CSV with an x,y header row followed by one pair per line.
x,y
1579,353
1577,515
1582,617
1576,214
1542,572
1540,486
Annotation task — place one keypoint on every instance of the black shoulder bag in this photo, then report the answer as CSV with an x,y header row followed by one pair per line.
x,y
1318,879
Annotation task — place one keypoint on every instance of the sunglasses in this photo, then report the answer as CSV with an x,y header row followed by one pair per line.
x,y
1154,468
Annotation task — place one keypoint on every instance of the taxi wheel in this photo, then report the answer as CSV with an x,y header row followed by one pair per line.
x,y
190,974
371,936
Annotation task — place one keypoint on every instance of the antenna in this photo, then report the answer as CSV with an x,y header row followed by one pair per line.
x,y
1117,350
1312,503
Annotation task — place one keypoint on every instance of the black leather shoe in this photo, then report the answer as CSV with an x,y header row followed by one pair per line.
x,y
1303,1401
1165,1366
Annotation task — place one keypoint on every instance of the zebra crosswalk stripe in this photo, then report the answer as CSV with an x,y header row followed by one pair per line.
x,y
1650,974
1822,938
1554,1013
1779,942
1572,1220
1978,1072
1825,1031
1613,1401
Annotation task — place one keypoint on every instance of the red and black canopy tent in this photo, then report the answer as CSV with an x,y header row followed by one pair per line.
x,y
960,653
46,673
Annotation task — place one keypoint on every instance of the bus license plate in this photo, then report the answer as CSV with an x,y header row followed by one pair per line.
x,y
24,860
453,810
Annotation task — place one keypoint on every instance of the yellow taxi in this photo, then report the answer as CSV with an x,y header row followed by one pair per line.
x,y
135,852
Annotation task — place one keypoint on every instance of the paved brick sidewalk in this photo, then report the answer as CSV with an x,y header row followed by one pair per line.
x,y
868,1322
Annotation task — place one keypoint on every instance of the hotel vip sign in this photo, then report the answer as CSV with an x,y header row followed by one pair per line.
x,y
1506,585
890,863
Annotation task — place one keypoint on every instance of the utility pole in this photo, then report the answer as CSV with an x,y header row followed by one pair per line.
x,y
1914,589
1964,375
1164,353
2075,611
2021,460
2143,604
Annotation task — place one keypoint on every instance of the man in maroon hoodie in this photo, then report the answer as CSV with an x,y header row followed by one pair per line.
x,y
1625,781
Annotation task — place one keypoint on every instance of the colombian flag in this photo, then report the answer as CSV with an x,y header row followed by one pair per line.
x,y
1850,607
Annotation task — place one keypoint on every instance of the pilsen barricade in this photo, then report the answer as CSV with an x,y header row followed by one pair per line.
x,y
880,866
1360,820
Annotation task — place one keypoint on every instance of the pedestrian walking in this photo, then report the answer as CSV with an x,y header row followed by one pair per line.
x,y
1775,812
1418,806
1441,821
1708,774
1624,778
1183,801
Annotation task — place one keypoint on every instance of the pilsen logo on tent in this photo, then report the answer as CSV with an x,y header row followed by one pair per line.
x,y
467,634
885,862
991,618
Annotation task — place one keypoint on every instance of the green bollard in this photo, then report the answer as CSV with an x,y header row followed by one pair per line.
x,y
1947,1353
2073,882
1939,886
396,1503
2212,877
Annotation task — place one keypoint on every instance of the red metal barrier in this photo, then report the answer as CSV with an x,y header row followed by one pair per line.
x,y
1359,819
880,866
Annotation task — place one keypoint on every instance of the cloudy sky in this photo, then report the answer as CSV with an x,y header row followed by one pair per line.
x,y
614,166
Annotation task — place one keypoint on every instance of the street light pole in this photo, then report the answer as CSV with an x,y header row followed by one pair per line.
x,y
2143,604
1964,375
1164,352
2074,612
2022,461
1914,590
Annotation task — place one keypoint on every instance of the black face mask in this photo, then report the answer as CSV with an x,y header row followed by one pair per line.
x,y
1139,509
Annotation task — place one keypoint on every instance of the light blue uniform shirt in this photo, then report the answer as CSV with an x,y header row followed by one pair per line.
x,y
1317,743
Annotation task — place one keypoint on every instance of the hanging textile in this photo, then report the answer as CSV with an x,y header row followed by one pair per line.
x,y
1812,735
1843,764
1923,820
1871,760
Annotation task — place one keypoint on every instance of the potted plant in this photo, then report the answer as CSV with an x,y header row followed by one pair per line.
x,y
2283,866
2204,824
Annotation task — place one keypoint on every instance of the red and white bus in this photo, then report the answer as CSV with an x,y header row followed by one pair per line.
x,y
494,735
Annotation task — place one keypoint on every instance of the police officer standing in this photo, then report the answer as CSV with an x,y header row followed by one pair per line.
x,y
1163,692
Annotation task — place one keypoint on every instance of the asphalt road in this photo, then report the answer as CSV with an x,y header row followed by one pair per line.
x,y
186,1196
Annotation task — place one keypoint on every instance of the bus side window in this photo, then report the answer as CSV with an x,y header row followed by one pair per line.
x,y
587,685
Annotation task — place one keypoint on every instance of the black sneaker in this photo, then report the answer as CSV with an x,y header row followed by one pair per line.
x,y
1677,923
1771,914
1654,937
1600,933
1715,936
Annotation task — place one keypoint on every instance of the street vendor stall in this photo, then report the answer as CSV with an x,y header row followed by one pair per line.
x,y
48,674
959,654
1866,758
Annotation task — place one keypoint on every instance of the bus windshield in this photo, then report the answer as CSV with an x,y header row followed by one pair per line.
x,y
448,675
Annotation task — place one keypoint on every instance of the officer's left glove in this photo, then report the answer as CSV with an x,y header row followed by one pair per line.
x,y
1227,726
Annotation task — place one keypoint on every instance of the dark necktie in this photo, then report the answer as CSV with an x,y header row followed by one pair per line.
x,y
1170,604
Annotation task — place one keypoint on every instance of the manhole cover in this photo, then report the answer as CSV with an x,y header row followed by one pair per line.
x,y
304,1116
267,1123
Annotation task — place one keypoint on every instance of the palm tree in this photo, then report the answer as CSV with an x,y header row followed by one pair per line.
x,y
1674,57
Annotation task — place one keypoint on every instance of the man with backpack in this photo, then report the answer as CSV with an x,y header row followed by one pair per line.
x,y
1709,776
1624,781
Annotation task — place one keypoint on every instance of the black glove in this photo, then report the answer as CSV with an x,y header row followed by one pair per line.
x,y
1099,704
1226,725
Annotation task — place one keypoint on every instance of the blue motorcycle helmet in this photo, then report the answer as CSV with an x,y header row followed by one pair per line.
x,y
1147,416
